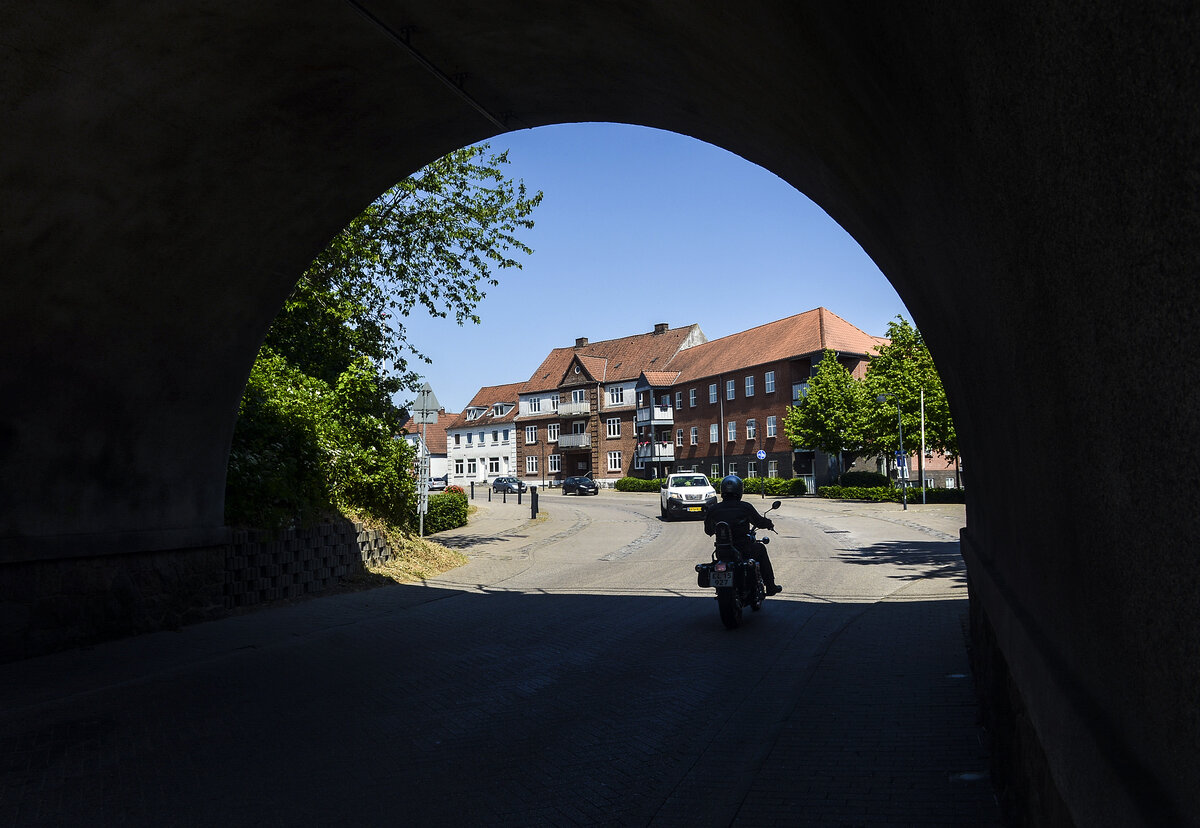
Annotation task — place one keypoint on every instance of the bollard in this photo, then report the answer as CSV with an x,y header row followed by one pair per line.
x,y
472,490
533,501
504,496
518,495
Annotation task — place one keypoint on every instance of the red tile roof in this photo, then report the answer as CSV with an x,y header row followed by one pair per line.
x,y
661,378
624,359
435,433
805,333
485,398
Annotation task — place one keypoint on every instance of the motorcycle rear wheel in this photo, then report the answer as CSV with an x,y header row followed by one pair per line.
x,y
731,610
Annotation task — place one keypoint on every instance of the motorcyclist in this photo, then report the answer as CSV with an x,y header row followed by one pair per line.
x,y
740,515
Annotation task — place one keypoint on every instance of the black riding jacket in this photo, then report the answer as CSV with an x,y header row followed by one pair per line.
x,y
740,515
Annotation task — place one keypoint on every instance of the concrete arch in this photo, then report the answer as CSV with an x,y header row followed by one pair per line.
x,y
1025,177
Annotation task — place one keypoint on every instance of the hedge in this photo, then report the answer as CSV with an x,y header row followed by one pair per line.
x,y
637,484
776,486
890,494
447,510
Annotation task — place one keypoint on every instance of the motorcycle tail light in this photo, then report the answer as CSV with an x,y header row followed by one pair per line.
x,y
720,567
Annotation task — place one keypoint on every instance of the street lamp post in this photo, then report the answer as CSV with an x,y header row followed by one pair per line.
x,y
900,453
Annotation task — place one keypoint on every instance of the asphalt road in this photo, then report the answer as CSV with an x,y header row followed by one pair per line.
x,y
571,674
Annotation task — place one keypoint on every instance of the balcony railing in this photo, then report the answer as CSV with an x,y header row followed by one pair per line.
x,y
574,409
569,441
660,451
659,414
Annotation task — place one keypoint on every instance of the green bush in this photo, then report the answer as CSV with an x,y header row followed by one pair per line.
x,y
447,510
775,486
864,479
637,484
886,494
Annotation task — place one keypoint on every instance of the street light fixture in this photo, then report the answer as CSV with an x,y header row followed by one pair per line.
x,y
900,453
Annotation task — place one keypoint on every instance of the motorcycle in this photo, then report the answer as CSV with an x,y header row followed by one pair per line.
x,y
737,580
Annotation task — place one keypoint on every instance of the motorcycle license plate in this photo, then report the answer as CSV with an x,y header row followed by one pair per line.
x,y
721,579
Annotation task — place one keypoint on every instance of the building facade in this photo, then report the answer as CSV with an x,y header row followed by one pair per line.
x,y
481,442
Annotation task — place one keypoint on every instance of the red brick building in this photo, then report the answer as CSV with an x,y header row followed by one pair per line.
x,y
715,406
577,411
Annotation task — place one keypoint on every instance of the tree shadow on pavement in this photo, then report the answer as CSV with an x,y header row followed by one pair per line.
x,y
923,559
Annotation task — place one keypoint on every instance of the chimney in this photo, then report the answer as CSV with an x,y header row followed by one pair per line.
x,y
661,328
580,342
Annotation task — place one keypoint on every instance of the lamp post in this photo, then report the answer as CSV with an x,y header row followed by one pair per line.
x,y
899,454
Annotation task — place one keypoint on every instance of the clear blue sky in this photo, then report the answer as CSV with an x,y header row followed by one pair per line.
x,y
640,226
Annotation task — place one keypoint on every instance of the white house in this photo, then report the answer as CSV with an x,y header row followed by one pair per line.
x,y
481,443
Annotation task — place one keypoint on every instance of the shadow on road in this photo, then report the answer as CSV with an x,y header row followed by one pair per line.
x,y
921,559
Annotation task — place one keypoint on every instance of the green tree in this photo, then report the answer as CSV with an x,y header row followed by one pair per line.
x,y
901,370
830,416
317,426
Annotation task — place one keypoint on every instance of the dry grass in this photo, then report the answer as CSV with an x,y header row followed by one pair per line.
x,y
415,558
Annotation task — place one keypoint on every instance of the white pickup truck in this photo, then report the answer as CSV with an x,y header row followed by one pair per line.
x,y
687,493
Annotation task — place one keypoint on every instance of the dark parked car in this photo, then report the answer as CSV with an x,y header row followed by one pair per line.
x,y
580,486
508,484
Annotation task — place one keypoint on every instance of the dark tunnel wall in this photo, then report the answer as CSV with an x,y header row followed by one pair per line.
x,y
1026,178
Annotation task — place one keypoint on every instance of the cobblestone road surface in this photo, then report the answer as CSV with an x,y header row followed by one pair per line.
x,y
571,674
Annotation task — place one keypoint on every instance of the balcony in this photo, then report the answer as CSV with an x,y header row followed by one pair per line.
x,y
574,441
655,415
659,452
574,409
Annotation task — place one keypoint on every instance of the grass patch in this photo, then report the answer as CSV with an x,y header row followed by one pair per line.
x,y
415,558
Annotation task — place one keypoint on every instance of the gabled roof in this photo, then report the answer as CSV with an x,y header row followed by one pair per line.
x,y
435,433
623,359
486,398
659,379
805,333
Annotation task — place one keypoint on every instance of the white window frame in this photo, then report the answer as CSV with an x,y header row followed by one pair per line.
x,y
731,431
552,433
751,468
493,465
695,436
535,405
714,471
614,461
471,467
579,395
613,427
678,399
554,402
732,468
458,466
750,386
530,435
712,392
531,464
752,429
616,395
769,383
555,463
771,430
772,468
714,433
679,437
692,398
730,389
639,463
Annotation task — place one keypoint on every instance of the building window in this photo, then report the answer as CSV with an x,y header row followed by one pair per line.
x,y
471,467
530,434
679,437
614,461
493,465
614,426
714,471
552,432
679,399
730,389
639,463
751,429
579,426
555,463
495,436
771,426
531,464
506,435
714,433
732,468
458,439
799,392
695,436
535,404
772,468
458,467
481,436
579,395
616,395
692,398
731,430
949,482
554,402
712,393
769,382
750,386
470,438
752,469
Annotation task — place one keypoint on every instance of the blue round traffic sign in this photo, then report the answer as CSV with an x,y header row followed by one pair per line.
x,y
762,455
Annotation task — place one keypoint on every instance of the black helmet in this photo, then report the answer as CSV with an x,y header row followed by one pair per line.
x,y
732,488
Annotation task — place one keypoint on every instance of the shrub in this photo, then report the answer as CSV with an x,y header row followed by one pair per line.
x,y
637,484
447,510
456,489
864,479
797,487
885,494
775,486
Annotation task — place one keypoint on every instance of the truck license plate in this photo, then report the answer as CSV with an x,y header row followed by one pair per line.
x,y
721,579
693,508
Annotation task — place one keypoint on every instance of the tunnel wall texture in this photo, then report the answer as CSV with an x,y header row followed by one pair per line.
x,y
1025,175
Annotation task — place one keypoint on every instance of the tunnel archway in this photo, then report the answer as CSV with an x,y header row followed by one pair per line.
x,y
1025,178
